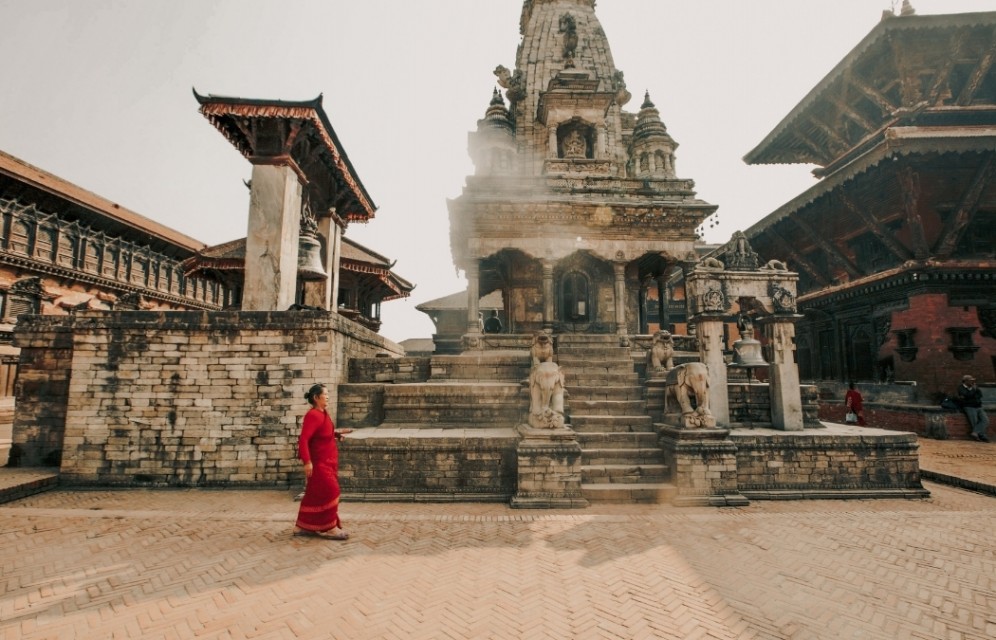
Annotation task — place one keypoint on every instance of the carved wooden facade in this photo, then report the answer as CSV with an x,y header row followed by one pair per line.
x,y
85,252
896,245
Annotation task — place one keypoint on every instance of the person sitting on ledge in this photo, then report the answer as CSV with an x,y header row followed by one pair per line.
x,y
493,324
971,402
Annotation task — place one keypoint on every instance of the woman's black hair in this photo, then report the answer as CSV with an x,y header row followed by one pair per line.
x,y
315,390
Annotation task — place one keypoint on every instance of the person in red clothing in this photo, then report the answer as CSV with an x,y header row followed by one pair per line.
x,y
855,403
318,514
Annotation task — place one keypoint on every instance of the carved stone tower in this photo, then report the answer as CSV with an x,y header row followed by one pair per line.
x,y
575,206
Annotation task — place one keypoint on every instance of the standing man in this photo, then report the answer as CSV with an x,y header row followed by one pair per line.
x,y
971,401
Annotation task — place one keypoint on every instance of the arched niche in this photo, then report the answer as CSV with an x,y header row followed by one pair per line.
x,y
582,281
576,140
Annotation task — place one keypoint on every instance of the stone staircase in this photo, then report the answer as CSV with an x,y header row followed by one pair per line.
x,y
606,406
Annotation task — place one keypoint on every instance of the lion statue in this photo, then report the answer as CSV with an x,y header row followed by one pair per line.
x,y
542,348
660,358
684,382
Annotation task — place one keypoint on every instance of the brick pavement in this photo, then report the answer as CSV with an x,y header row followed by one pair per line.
x,y
222,564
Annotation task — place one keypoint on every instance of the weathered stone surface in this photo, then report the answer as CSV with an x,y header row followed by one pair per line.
x,y
177,398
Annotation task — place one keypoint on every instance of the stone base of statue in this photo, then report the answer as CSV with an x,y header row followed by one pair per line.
x,y
698,419
704,465
549,467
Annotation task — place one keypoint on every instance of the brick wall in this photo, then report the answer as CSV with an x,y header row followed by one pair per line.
x,y
178,398
935,367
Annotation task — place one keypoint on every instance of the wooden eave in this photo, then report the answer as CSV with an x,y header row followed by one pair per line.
x,y
29,185
898,141
877,86
238,118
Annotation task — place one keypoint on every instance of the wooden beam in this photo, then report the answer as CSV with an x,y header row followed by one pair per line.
x,y
857,118
880,232
875,96
796,257
909,189
944,71
819,151
832,251
978,75
962,217
832,136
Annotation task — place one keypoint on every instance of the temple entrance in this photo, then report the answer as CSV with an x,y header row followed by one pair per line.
x,y
575,298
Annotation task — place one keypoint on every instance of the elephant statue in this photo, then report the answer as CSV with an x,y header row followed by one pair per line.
x,y
546,396
683,382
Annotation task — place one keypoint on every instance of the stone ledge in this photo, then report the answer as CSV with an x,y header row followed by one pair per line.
x,y
423,496
835,494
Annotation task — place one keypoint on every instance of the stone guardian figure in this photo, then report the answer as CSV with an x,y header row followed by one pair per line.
x,y
546,386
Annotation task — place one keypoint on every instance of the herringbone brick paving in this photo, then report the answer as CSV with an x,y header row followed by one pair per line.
x,y
222,564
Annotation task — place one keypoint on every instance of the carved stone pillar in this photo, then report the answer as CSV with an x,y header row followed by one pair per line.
x,y
710,334
473,297
786,396
619,270
272,239
663,315
548,295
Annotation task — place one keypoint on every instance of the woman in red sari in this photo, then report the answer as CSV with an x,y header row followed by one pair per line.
x,y
317,448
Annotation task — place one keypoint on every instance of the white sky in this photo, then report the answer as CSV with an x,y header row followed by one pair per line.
x,y
98,92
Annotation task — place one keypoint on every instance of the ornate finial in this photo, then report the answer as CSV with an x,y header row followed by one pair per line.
x,y
496,98
647,104
907,9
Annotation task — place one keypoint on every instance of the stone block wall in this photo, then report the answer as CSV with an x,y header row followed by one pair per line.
x,y
429,464
782,465
42,391
388,370
178,398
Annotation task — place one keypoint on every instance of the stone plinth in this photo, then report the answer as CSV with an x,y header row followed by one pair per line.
x,y
704,464
428,465
841,461
549,470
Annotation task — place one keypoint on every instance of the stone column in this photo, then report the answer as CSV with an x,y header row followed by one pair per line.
x,y
548,294
619,269
333,261
710,334
786,396
473,297
663,316
272,239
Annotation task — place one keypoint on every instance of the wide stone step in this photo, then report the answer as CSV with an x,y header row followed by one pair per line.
x,y
587,339
583,423
606,407
465,402
649,493
591,379
624,473
590,353
606,392
643,455
617,440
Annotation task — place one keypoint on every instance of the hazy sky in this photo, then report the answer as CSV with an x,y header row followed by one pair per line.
x,y
98,92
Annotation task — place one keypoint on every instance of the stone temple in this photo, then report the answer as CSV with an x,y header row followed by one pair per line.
x,y
572,226
575,205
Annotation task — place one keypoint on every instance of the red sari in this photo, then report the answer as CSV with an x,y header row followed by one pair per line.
x,y
319,509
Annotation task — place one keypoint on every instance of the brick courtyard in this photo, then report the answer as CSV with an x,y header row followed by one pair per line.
x,y
222,564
